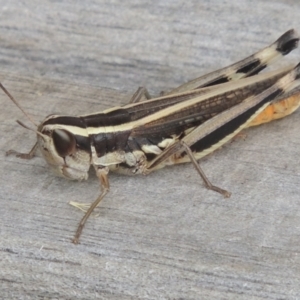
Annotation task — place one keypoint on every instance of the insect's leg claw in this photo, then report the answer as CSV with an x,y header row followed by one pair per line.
x,y
28,155
19,154
82,206
75,241
225,193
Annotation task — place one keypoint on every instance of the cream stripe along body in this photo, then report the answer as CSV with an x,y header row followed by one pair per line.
x,y
184,125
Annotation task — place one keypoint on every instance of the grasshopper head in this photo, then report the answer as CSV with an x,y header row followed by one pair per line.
x,y
62,149
65,148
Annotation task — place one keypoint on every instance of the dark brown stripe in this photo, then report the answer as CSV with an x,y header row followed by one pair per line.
x,y
249,67
215,82
220,133
257,70
287,42
147,108
66,120
116,117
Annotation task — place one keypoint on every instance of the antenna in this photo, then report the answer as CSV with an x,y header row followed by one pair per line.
x,y
19,106
25,126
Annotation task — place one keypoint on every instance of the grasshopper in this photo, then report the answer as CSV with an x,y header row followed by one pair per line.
x,y
181,126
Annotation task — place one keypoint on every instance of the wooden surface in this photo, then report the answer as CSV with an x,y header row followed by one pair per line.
x,y
158,237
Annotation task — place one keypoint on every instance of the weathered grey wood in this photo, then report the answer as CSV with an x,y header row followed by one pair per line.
x,y
158,237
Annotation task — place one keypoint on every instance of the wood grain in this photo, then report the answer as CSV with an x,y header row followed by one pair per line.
x,y
163,236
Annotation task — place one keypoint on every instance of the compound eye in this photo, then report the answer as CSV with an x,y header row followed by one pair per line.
x,y
64,142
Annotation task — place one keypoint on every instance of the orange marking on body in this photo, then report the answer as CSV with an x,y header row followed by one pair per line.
x,y
277,110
